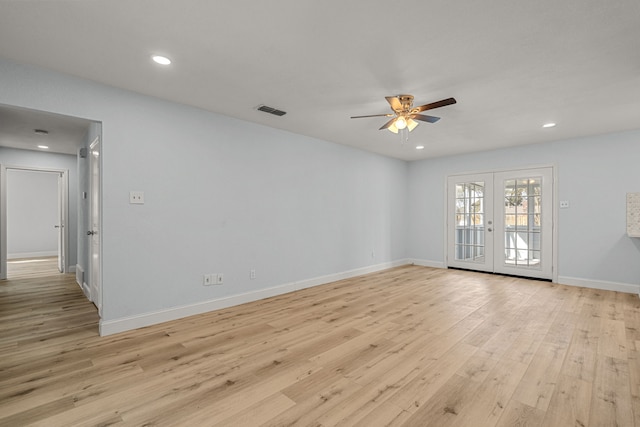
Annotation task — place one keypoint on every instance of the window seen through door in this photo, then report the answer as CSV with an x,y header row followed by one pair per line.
x,y
469,240
522,220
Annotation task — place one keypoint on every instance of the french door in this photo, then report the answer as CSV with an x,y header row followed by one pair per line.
x,y
502,222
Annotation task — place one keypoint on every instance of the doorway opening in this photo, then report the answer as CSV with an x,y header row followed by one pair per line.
x,y
36,220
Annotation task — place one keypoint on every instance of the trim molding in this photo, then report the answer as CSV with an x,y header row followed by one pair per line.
x,y
109,327
600,284
427,263
19,255
86,291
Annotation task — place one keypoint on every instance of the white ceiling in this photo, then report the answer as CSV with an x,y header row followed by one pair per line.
x,y
511,64
17,130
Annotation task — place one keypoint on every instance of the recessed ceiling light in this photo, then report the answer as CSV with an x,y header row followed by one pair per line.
x,y
548,125
44,147
162,60
419,147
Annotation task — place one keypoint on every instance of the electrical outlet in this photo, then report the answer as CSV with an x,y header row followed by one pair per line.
x,y
252,274
564,204
220,279
136,197
207,279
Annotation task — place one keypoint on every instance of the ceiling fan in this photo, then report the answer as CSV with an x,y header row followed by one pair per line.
x,y
405,115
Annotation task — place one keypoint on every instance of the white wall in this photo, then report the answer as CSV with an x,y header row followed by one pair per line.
x,y
222,196
32,213
43,160
594,175
226,196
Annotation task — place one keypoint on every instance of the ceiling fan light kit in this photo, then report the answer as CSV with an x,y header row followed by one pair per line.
x,y
405,115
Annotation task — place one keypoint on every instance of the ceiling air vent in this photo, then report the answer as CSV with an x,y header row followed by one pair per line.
x,y
271,110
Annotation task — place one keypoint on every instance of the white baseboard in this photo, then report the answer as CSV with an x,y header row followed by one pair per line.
x,y
32,254
86,291
427,263
79,275
109,327
563,280
599,284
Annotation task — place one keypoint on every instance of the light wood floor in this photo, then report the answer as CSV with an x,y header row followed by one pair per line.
x,y
410,346
29,268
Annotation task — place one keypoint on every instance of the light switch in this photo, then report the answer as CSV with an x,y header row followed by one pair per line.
x,y
136,197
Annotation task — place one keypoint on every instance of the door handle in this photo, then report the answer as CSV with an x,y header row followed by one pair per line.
x,y
56,226
90,233
489,229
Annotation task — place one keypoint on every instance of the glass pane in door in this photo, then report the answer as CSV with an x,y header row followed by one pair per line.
x,y
522,221
469,221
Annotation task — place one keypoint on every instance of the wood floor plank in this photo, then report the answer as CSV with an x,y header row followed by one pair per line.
x,y
611,401
422,387
612,341
38,413
75,384
266,409
580,361
408,346
445,404
518,414
308,411
540,380
633,349
493,395
385,414
570,404
478,367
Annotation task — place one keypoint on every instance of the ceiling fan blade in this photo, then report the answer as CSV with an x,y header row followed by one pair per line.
x,y
425,118
433,105
389,123
372,115
395,103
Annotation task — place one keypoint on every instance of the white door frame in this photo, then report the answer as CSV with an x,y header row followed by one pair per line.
x,y
64,196
554,257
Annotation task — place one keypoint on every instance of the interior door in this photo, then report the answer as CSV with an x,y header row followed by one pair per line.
x,y
502,222
95,274
61,223
470,208
3,222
